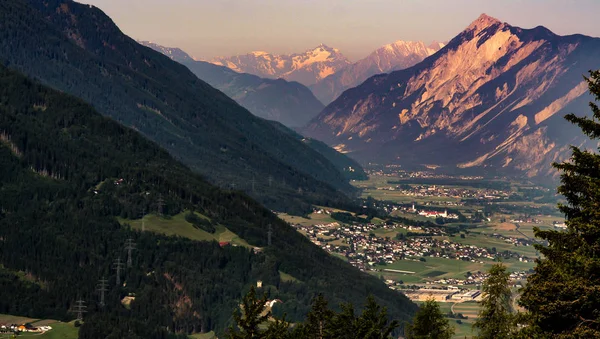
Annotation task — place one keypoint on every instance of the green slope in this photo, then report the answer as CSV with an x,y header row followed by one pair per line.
x,y
60,227
78,49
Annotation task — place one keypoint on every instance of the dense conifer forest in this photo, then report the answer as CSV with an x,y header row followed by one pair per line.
x,y
67,173
77,49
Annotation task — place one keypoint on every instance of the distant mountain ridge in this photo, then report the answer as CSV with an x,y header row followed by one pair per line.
x,y
391,57
492,99
289,103
306,68
77,49
72,181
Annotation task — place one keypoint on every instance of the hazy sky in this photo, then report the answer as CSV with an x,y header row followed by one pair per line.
x,y
208,28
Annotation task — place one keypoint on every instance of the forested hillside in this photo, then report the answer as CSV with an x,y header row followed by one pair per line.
x,y
348,166
77,49
67,172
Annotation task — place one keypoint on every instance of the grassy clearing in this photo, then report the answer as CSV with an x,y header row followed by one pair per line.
x,y
464,330
286,277
60,330
314,219
178,226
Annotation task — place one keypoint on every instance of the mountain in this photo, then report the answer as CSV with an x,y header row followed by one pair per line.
x,y
396,56
289,103
77,49
492,99
69,177
306,68
349,167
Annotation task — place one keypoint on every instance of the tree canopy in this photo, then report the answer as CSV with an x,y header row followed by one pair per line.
x,y
562,297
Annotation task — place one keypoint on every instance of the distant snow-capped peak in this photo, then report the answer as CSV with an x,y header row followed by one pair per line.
x,y
307,67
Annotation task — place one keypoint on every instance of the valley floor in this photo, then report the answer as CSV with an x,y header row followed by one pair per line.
x,y
472,224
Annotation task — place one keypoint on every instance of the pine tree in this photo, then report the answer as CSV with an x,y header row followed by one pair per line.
x,y
253,313
373,322
429,323
495,320
562,297
318,321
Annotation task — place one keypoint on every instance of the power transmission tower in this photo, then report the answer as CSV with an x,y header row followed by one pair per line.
x,y
79,309
160,204
269,235
118,266
102,288
129,247
270,180
143,212
233,186
253,184
300,190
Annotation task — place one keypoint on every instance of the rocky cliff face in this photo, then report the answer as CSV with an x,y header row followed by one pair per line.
x,y
395,56
494,97
306,68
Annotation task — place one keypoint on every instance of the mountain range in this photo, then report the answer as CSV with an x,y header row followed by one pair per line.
x,y
391,57
306,68
77,49
73,183
289,103
493,99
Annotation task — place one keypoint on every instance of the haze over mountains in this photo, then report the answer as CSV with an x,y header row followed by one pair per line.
x,y
492,99
306,68
324,69
141,88
391,57
289,103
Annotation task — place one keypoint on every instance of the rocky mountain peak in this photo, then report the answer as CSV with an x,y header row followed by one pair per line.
x,y
494,98
306,68
482,22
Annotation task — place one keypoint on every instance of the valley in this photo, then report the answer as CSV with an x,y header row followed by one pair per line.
x,y
437,235
441,190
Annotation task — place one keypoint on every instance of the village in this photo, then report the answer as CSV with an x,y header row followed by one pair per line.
x,y
435,191
359,244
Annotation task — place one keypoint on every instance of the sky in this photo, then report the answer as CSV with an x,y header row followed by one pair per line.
x,y
209,28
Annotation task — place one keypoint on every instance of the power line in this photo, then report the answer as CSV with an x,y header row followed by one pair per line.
x,y
80,309
143,221
129,247
160,204
102,288
118,266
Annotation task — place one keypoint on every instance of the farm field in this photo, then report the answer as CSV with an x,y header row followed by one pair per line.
x,y
481,240
178,226
314,219
438,268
